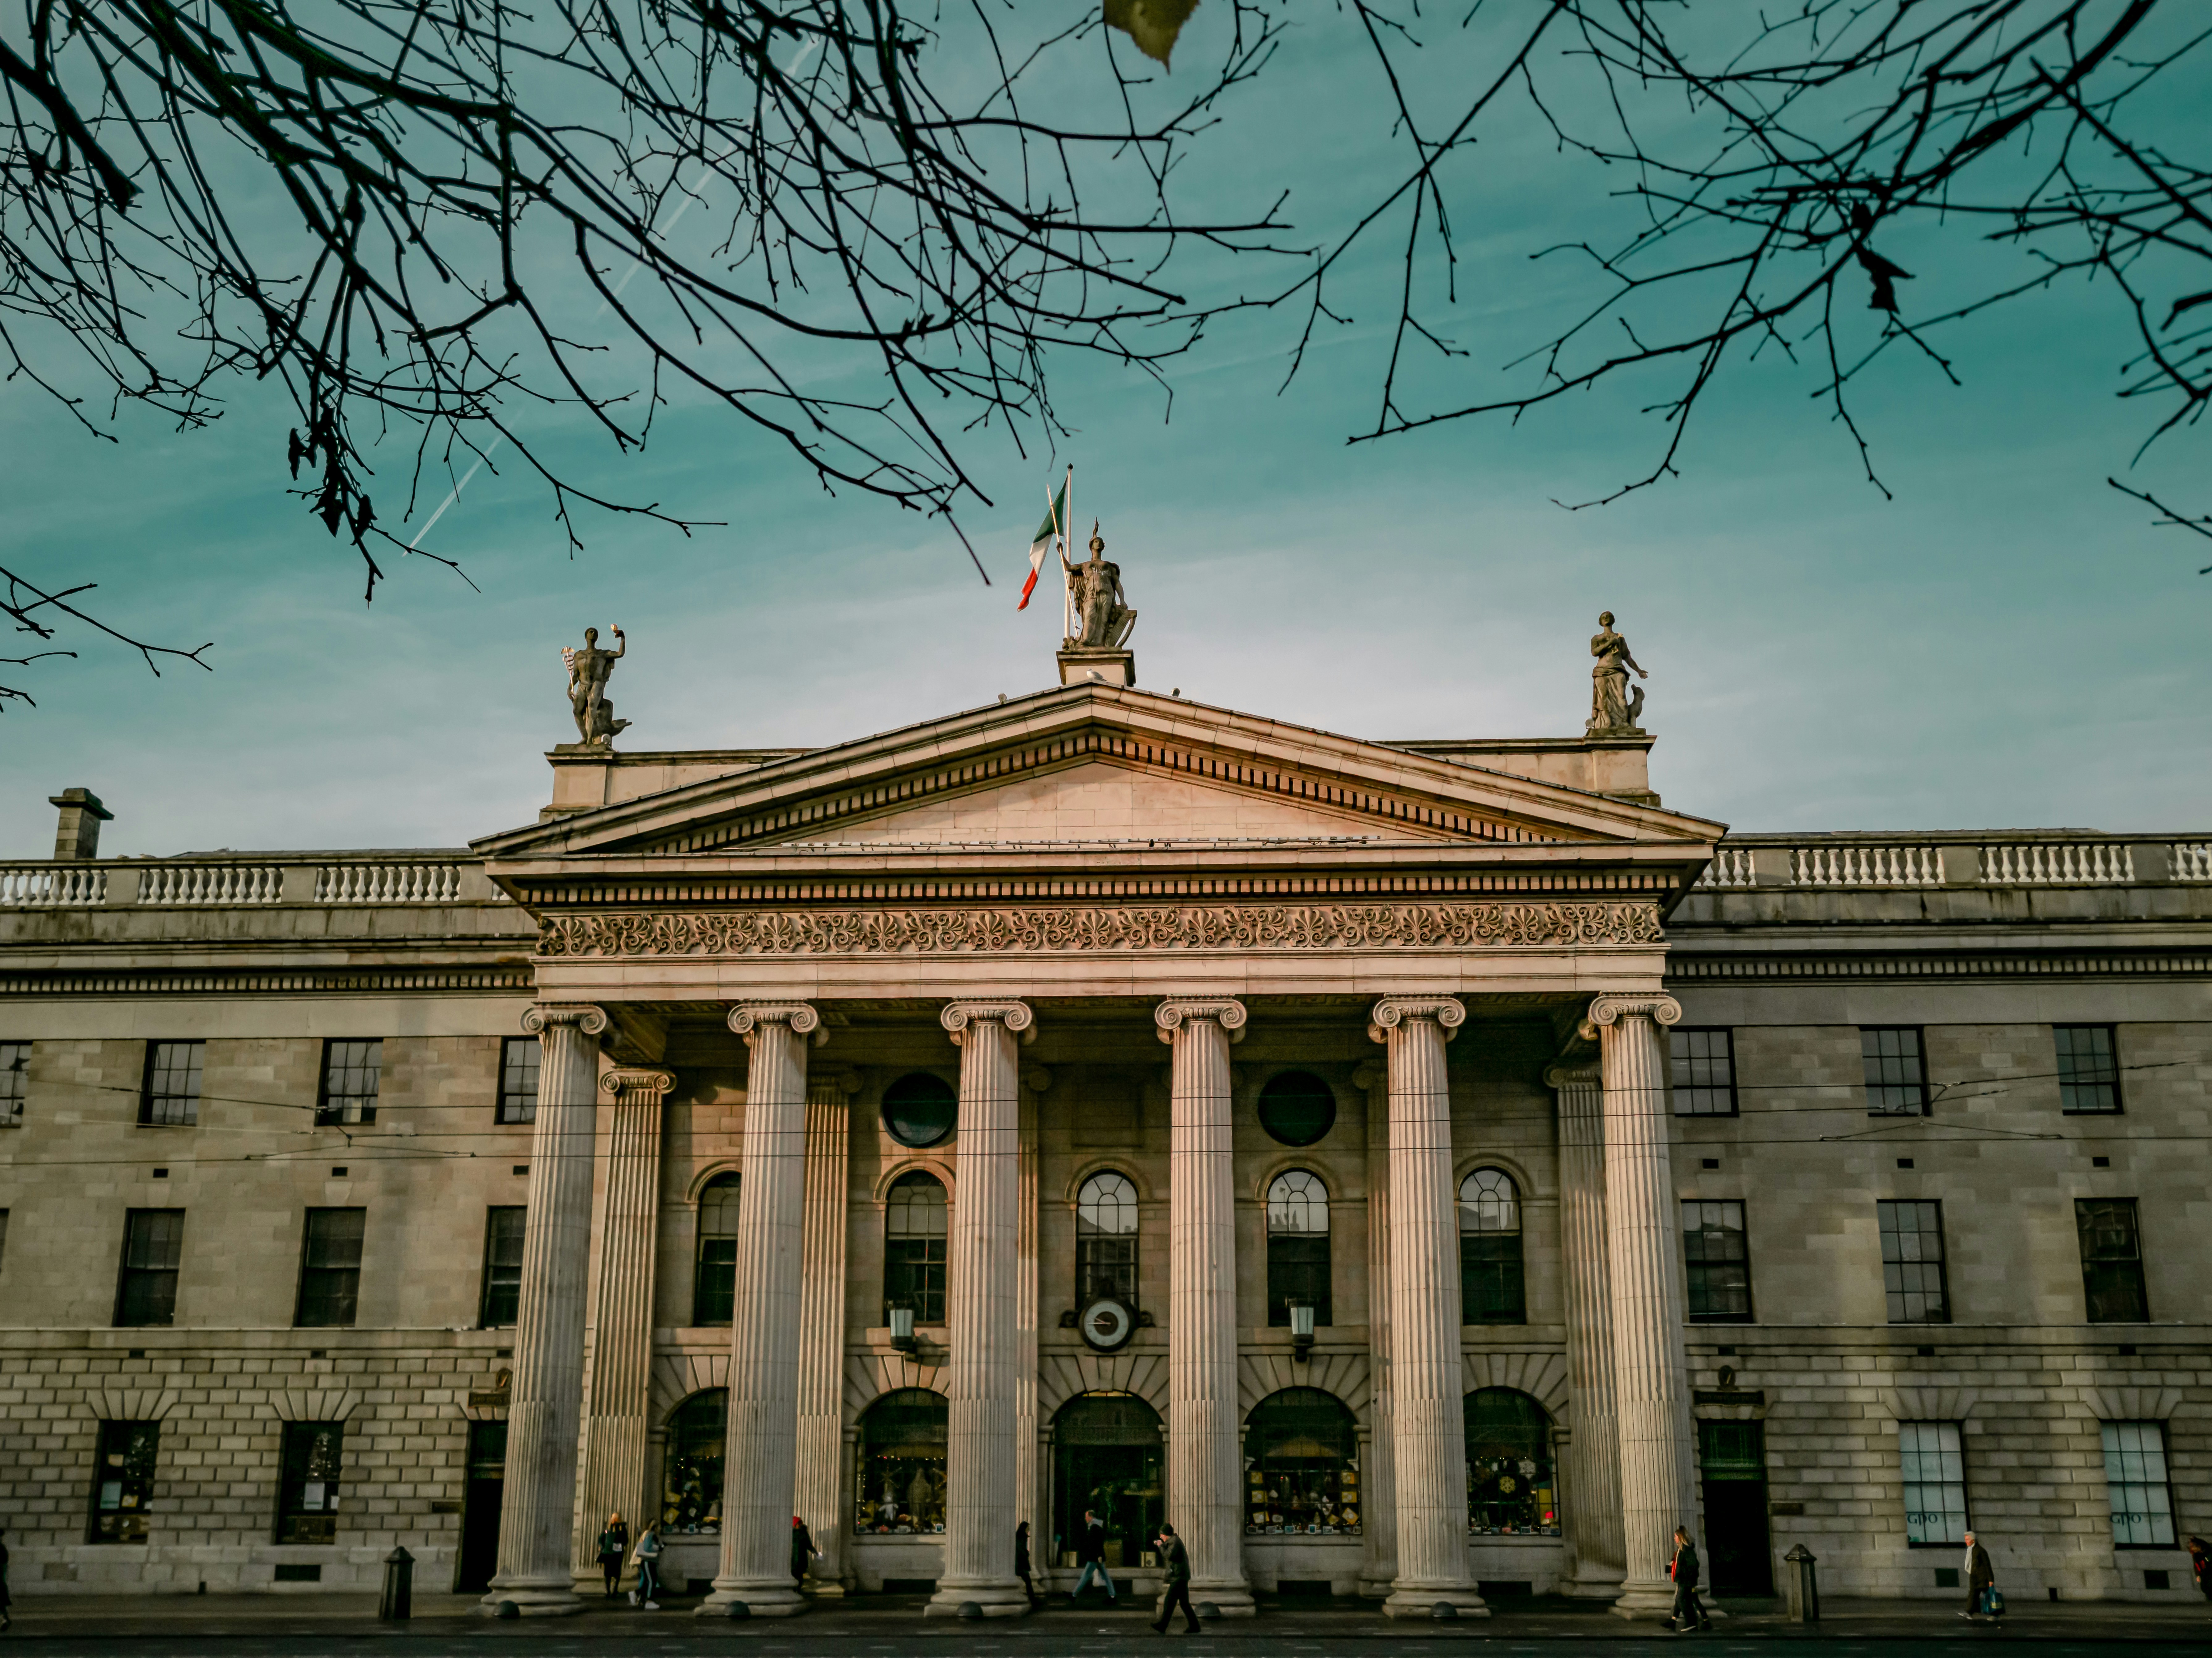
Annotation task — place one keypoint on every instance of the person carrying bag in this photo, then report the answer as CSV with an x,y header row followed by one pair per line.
x,y
1982,1597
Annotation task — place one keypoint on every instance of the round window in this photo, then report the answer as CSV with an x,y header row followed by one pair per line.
x,y
919,1110
1297,1107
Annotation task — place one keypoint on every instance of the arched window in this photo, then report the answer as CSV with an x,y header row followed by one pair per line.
x,y
1296,1108
1110,1460
1508,1464
914,1247
901,1478
1301,1465
1106,1239
920,1109
1491,1291
1297,1245
714,1278
691,1473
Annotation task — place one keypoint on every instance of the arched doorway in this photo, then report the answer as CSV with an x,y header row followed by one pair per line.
x,y
902,1474
1108,1459
1302,1465
1509,1488
691,1466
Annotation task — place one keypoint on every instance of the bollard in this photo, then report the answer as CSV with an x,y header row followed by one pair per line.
x,y
397,1603
1804,1586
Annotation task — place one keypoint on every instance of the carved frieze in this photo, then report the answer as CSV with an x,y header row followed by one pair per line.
x,y
1105,926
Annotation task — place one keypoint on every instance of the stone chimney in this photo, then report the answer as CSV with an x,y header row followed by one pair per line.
x,y
77,835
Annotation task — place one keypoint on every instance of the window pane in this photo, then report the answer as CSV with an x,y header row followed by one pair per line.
x,y
1935,1470
1509,1487
2135,1470
152,1247
330,1267
350,1074
714,1274
692,1472
14,1080
1912,1262
915,1221
518,1079
308,1494
1302,1465
1717,1257
1704,1063
1896,1083
2111,1261
902,1471
1297,1246
1491,1288
1106,1239
502,1270
123,1480
2088,1074
172,1092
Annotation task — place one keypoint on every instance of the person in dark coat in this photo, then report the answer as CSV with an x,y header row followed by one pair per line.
x,y
1980,1576
614,1544
1090,1555
2200,1563
1021,1560
1688,1614
1178,1563
6,1602
802,1549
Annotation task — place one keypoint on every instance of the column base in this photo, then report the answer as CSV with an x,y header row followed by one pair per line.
x,y
1375,1589
1418,1602
532,1600
1228,1599
1644,1600
761,1600
999,1599
1591,1583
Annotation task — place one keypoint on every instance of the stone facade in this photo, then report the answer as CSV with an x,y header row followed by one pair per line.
x,y
1119,944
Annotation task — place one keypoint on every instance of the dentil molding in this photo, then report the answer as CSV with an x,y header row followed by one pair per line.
x,y
1107,927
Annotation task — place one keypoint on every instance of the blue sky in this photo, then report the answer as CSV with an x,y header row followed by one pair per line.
x,y
2006,643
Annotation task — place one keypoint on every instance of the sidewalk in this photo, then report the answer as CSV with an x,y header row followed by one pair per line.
x,y
215,1616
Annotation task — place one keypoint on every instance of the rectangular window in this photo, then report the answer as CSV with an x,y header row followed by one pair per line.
x,y
330,1268
1718,1261
2111,1261
153,1250
2134,1474
308,1494
171,1092
14,1081
122,1481
2088,1073
1896,1079
1935,1469
1912,1262
350,1074
518,1079
502,1267
1298,1269
1704,1073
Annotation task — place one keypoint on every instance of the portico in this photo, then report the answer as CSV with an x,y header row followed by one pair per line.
x,y
1026,903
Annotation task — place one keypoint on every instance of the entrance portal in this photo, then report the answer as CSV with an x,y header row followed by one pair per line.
x,y
486,1484
1109,1460
1734,1458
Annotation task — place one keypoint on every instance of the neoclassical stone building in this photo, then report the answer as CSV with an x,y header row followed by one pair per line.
x,y
1425,1170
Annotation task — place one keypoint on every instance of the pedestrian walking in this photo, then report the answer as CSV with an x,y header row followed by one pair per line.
x,y
648,1570
2200,1562
6,1601
1982,1594
1688,1614
1178,1562
614,1544
1090,1555
802,1549
1021,1560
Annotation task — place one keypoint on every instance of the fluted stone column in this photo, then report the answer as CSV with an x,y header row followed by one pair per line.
x,y
1205,1463
545,1403
819,1483
1651,1383
1429,1429
1378,1488
980,1317
761,1452
615,1422
1029,1484
1593,1449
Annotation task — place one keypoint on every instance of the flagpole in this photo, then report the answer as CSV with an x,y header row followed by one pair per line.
x,y
1066,585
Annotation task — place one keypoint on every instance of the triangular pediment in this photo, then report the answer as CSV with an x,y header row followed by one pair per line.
x,y
1091,763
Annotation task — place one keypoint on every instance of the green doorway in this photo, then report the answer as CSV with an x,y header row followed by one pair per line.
x,y
1732,1455
1109,1459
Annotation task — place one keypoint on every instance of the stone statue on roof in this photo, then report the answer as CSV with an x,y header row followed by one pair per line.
x,y
1613,706
1103,617
589,669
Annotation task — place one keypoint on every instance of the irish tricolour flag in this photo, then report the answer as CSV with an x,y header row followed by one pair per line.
x,y
1054,528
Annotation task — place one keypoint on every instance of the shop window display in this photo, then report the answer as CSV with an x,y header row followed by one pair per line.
x,y
902,1474
1509,1487
691,1473
1301,1466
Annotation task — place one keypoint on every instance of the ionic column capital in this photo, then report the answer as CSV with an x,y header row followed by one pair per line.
x,y
636,1084
1574,1074
590,1020
748,1017
1171,1015
1016,1016
1656,1006
1392,1011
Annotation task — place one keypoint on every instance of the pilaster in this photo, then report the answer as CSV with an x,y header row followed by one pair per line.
x,y
1378,1508
1592,1450
819,1479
